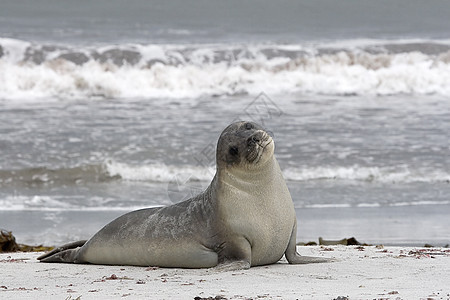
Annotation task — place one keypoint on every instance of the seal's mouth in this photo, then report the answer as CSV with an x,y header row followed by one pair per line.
x,y
257,145
267,142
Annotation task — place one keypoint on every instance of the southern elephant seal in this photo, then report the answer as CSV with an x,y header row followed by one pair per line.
x,y
244,218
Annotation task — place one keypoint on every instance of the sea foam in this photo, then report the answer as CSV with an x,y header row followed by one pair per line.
x,y
111,170
394,174
29,70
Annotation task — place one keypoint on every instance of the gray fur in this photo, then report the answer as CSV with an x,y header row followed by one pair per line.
x,y
244,218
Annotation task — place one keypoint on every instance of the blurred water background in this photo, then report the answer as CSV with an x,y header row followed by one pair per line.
x,y
111,106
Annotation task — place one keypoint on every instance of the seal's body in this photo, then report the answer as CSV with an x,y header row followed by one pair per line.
x,y
244,218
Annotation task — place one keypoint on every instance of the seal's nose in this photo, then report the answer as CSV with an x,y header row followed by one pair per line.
x,y
255,138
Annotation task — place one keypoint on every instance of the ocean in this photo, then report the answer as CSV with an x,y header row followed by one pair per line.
x,y
111,106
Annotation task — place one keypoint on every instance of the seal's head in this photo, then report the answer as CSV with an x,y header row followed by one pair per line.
x,y
244,145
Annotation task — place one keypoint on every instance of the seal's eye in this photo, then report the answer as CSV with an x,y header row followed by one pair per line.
x,y
233,150
248,126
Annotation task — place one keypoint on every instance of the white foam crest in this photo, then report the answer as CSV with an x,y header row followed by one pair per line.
x,y
62,79
169,173
382,74
33,203
157,172
50,204
13,49
372,205
177,72
420,203
399,174
327,205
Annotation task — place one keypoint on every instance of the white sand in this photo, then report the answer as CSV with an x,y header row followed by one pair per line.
x,y
370,273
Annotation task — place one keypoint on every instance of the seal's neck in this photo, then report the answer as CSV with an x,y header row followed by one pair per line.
x,y
262,174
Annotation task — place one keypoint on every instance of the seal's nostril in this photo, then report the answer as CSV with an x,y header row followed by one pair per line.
x,y
253,140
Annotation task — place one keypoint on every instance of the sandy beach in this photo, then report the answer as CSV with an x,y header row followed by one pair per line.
x,y
359,273
112,106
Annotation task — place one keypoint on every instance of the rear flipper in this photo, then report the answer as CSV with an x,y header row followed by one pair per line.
x,y
64,254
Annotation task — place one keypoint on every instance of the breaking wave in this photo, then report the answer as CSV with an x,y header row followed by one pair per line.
x,y
183,182
399,174
161,173
30,70
61,203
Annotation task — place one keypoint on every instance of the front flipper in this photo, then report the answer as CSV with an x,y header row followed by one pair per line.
x,y
235,254
64,254
294,258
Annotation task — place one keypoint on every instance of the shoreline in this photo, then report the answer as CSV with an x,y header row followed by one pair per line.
x,y
360,272
390,226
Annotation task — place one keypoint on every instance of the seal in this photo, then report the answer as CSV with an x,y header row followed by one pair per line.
x,y
244,218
